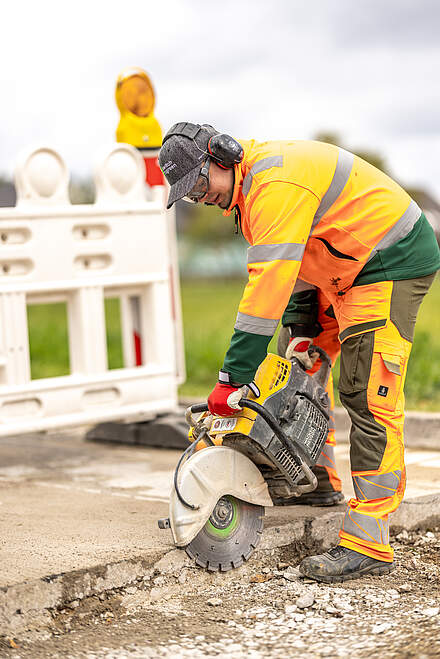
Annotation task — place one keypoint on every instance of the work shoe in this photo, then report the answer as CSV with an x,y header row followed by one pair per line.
x,y
342,564
315,498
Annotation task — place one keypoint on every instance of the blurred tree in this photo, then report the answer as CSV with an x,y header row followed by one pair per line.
x,y
372,157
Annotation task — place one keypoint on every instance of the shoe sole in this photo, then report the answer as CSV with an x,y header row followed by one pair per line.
x,y
374,571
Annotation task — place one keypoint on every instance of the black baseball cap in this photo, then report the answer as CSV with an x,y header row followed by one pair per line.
x,y
183,152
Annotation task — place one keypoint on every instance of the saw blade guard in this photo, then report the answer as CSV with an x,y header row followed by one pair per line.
x,y
204,478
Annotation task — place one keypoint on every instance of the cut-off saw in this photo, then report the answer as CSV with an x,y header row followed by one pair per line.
x,y
235,466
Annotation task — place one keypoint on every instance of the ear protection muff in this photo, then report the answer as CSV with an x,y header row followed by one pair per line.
x,y
226,151
222,148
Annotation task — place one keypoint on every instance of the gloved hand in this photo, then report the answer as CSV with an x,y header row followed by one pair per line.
x,y
223,399
298,347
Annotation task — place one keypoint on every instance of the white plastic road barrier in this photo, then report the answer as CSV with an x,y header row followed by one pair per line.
x,y
119,247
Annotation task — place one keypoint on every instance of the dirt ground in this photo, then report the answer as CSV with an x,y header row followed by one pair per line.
x,y
264,609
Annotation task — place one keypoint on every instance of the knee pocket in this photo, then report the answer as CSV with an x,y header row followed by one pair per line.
x,y
385,382
376,367
356,358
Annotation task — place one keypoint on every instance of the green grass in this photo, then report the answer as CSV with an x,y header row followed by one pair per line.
x,y
209,311
48,338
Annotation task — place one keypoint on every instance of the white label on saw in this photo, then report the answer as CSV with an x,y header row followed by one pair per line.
x,y
222,425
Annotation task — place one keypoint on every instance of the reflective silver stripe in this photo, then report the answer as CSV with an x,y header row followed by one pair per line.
x,y
301,285
224,377
258,167
365,527
285,251
339,181
399,230
327,457
255,325
255,390
376,486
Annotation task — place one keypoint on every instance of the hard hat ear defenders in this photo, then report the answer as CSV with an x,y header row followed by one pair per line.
x,y
222,148
226,151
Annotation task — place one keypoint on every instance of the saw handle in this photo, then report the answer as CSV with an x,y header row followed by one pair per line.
x,y
199,407
275,426
322,375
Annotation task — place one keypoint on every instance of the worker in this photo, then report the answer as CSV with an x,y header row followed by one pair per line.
x,y
343,255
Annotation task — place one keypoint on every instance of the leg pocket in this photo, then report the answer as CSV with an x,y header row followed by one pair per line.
x,y
356,357
385,381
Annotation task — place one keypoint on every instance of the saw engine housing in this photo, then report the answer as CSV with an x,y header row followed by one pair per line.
x,y
300,405
236,466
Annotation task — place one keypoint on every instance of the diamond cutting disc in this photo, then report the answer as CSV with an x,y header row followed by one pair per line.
x,y
229,536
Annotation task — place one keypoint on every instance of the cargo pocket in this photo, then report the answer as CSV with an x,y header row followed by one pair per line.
x,y
356,357
385,381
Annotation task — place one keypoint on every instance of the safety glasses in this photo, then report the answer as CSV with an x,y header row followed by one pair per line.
x,y
201,187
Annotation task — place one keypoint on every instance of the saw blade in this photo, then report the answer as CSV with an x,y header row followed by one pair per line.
x,y
229,536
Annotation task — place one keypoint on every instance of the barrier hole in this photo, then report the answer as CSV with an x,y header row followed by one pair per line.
x,y
113,329
48,340
86,263
6,268
4,237
84,233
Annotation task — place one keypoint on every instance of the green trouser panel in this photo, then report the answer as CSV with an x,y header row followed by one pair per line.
x,y
406,298
326,459
368,438
415,255
324,484
283,341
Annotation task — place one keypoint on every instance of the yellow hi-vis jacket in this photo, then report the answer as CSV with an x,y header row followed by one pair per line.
x,y
311,211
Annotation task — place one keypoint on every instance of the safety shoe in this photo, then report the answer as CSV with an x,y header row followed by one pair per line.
x,y
342,564
315,498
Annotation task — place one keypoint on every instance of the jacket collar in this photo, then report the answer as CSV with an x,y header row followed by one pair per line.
x,y
240,172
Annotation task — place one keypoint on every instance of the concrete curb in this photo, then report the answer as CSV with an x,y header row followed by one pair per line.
x,y
28,606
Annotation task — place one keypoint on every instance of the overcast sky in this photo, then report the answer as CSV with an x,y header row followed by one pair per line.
x,y
368,70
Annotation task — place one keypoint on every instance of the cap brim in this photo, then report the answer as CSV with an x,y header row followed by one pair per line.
x,y
184,185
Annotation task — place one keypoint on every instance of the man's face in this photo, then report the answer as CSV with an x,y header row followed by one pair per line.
x,y
216,188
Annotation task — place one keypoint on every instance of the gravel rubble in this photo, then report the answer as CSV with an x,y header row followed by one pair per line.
x,y
264,609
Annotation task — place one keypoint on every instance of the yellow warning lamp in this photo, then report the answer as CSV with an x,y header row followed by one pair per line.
x,y
135,99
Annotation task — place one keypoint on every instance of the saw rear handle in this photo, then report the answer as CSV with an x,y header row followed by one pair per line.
x,y
299,457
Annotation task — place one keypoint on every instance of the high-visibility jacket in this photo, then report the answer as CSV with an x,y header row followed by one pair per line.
x,y
312,211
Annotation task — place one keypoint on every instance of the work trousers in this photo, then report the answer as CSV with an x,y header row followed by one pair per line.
x,y
372,326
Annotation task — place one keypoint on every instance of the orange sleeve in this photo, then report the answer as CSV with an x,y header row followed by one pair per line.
x,y
280,219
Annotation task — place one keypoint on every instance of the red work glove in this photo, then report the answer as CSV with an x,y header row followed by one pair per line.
x,y
223,399
298,347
